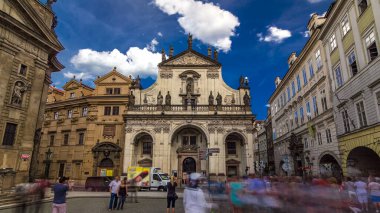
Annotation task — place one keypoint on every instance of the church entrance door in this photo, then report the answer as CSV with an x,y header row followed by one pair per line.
x,y
189,165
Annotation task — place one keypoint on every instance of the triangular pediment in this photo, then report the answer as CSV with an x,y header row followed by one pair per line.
x,y
190,58
30,22
74,84
113,77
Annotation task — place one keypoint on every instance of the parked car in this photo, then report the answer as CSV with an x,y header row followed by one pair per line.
x,y
98,183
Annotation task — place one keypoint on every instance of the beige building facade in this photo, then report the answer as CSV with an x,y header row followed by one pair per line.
x,y
83,131
28,49
186,111
304,133
351,42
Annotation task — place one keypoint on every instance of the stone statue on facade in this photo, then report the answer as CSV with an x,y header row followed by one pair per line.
x,y
49,3
241,81
211,99
168,99
188,88
219,100
132,99
246,99
160,98
18,93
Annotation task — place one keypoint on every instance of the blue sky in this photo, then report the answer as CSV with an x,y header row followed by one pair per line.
x,y
254,37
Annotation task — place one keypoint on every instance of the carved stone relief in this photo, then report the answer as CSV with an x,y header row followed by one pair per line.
x,y
189,59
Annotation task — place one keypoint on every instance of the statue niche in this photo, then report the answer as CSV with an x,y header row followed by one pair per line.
x,y
18,93
189,86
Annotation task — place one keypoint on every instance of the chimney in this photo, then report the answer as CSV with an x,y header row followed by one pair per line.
x,y
215,55
209,51
171,51
163,54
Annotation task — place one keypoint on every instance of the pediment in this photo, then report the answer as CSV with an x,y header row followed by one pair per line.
x,y
113,77
71,85
30,21
189,58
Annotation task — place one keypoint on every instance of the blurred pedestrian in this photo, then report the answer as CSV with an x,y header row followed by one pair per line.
x,y
59,201
134,188
172,195
122,194
194,200
114,187
374,191
361,193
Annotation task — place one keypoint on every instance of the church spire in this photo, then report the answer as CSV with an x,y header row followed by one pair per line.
x,y
190,42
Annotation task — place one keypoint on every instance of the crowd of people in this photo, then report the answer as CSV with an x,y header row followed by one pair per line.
x,y
294,194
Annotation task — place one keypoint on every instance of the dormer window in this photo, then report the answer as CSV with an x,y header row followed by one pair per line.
x,y
72,95
116,91
363,4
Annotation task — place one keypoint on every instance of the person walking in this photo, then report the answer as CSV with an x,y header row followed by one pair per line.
x,y
171,196
194,200
361,193
374,191
134,189
59,201
114,187
122,194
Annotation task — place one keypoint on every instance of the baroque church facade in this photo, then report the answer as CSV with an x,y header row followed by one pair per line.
x,y
186,111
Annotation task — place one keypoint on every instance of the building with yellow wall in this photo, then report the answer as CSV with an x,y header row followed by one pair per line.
x,y
83,131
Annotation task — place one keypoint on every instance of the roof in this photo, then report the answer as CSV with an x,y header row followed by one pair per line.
x,y
113,72
78,83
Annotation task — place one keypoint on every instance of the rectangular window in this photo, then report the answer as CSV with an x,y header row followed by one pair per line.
x,y
304,76
72,95
116,91
296,118
301,115
328,136
361,114
293,89
318,59
362,5
346,121
107,110
298,83
147,148
56,115
332,43
306,143
352,63
231,148
288,89
81,138
23,69
311,68
370,42
69,113
323,100
308,113
338,77
319,138
84,111
345,25
115,110
315,106
52,137
61,170
9,134
109,91
66,139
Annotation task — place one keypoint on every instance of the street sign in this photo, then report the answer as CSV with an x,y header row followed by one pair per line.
x,y
213,150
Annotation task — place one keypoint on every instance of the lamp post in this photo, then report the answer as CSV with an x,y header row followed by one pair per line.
x,y
49,154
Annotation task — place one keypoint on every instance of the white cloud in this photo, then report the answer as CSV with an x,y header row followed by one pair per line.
x,y
274,34
135,61
306,34
152,45
160,34
205,21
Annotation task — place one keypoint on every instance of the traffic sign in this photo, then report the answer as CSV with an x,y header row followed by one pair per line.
x,y
213,150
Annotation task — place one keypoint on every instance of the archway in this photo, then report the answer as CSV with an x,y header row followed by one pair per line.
x,y
143,149
106,159
235,153
363,161
329,167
